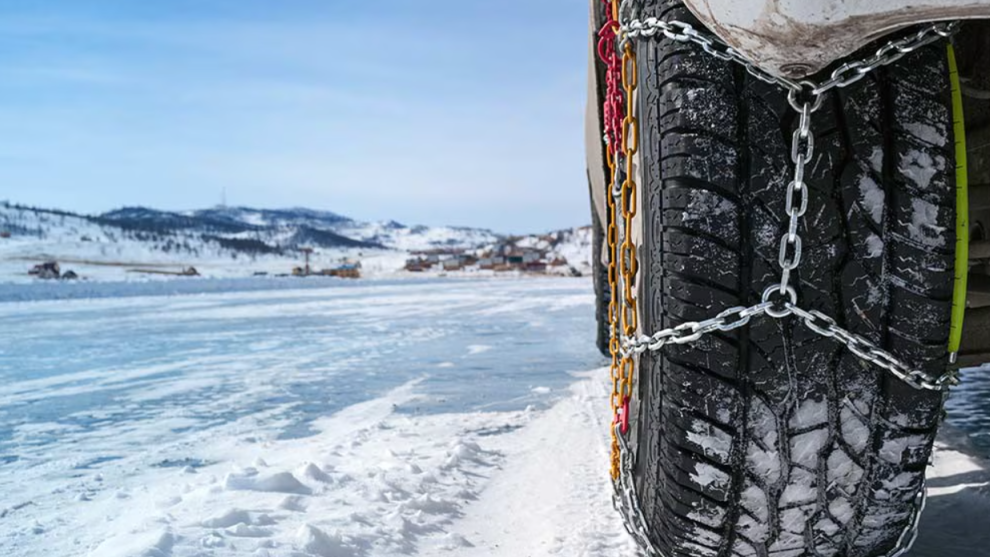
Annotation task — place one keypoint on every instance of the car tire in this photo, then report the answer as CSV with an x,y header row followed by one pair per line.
x,y
771,440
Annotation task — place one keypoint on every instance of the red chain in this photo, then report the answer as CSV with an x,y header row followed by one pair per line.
x,y
613,109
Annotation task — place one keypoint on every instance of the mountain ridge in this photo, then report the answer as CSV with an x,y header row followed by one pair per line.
x,y
288,228
245,238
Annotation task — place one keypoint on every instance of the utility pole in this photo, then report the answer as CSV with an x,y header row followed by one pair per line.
x,y
307,251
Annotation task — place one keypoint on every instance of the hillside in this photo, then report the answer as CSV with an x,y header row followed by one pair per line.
x,y
234,241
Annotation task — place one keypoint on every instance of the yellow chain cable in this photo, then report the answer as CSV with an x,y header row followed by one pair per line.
x,y
613,316
627,257
622,259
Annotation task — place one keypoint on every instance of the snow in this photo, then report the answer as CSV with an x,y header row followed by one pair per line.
x,y
388,484
921,167
125,244
260,432
874,246
922,228
713,441
928,133
872,197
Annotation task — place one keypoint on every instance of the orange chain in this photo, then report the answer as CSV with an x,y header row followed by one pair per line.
x,y
622,258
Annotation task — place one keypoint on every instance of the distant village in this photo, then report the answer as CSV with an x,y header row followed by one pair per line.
x,y
346,269
520,254
503,257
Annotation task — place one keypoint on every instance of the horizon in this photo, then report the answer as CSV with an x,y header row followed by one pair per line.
x,y
17,204
452,118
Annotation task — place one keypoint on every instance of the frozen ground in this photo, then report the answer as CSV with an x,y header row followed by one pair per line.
x,y
365,419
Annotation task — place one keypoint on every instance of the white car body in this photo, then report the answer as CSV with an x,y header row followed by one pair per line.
x,y
795,38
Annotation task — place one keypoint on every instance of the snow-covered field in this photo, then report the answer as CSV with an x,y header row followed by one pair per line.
x,y
424,418
136,243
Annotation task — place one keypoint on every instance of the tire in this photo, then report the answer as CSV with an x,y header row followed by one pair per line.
x,y
770,440
600,277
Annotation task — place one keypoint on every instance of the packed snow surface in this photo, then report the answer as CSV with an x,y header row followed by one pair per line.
x,y
421,418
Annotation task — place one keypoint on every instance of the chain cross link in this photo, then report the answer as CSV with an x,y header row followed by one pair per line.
x,y
805,97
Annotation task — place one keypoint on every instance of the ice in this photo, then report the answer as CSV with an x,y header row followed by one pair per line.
x,y
368,449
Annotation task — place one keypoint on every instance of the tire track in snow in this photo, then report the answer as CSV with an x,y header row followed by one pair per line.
x,y
553,497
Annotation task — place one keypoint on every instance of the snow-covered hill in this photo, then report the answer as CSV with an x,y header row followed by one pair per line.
x,y
232,241
290,228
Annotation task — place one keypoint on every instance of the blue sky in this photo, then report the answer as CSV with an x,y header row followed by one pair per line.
x,y
435,112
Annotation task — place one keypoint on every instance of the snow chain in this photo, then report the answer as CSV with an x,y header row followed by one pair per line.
x,y
780,300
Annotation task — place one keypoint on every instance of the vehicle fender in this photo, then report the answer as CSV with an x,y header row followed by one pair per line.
x,y
796,38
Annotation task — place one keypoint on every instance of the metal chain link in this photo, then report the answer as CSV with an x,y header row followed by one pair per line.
x,y
843,76
805,98
780,300
785,305
626,501
851,72
866,350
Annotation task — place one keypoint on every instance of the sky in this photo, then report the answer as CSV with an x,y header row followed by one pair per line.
x,y
434,112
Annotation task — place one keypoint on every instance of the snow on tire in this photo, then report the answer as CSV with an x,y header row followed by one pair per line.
x,y
771,441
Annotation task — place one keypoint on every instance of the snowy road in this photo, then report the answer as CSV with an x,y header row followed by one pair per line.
x,y
104,401
363,420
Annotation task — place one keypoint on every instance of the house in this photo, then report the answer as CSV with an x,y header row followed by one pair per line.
x,y
347,270
522,257
491,262
47,270
417,265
